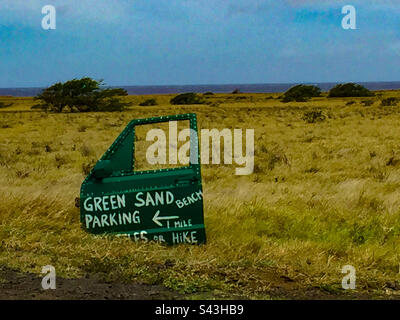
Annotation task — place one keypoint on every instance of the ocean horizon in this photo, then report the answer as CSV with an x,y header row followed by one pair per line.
x,y
216,88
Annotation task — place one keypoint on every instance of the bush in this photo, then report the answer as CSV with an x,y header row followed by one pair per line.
x,y
301,93
236,91
349,90
313,116
81,95
389,102
208,93
3,105
187,98
148,102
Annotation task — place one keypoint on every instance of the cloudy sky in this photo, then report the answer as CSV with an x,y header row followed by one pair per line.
x,y
159,42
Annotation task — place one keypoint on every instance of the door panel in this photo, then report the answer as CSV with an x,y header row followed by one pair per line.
x,y
164,205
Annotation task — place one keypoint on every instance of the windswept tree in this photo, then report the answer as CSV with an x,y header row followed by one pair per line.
x,y
349,90
187,98
301,93
81,95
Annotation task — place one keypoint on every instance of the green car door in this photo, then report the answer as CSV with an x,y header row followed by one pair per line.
x,y
164,205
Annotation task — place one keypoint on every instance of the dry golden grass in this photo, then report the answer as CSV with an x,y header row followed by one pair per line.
x,y
322,196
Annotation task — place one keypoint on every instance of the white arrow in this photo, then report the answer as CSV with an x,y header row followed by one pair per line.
x,y
157,219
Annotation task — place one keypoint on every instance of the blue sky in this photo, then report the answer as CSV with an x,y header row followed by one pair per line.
x,y
161,42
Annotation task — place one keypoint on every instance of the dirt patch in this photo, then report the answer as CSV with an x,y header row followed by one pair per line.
x,y
26,286
283,288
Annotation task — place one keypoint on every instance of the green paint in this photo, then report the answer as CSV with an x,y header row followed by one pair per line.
x,y
163,205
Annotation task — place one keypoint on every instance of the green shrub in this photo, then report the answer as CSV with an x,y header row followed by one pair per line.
x,y
236,91
389,102
301,93
313,116
3,105
187,98
149,102
349,90
81,95
208,93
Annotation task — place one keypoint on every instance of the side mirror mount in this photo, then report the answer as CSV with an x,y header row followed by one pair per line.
x,y
103,169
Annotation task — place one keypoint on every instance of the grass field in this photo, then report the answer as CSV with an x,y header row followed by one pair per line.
x,y
322,195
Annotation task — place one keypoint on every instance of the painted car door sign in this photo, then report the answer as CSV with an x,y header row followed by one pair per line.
x,y
164,205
